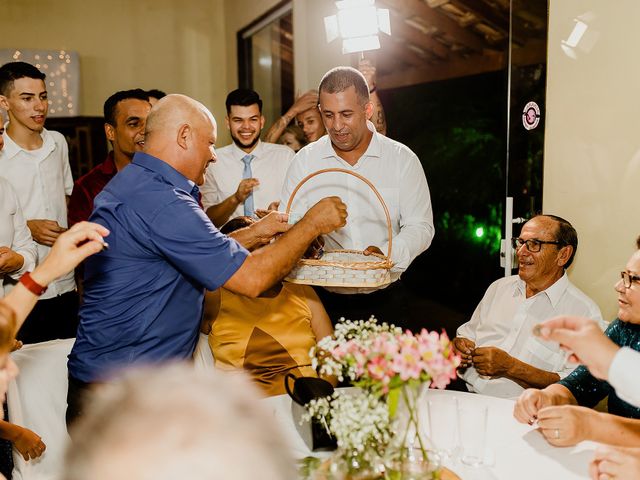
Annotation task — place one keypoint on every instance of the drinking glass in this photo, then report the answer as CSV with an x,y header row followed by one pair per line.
x,y
443,425
472,426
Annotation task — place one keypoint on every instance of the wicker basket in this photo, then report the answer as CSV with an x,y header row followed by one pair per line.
x,y
344,268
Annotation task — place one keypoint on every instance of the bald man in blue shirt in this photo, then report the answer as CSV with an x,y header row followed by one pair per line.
x,y
143,297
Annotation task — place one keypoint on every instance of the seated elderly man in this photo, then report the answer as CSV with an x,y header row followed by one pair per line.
x,y
500,354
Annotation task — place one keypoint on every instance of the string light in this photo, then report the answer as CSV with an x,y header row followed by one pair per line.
x,y
63,76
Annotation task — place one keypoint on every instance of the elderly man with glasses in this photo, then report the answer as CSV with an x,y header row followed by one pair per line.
x,y
500,354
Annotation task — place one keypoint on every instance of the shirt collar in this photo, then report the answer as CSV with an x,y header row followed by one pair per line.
x,y
239,153
373,149
11,148
170,174
553,292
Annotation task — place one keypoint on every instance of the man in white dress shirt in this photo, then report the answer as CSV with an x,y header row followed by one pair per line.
x,y
18,252
353,144
500,354
248,174
35,162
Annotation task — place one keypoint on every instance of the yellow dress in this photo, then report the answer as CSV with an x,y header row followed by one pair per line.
x,y
268,337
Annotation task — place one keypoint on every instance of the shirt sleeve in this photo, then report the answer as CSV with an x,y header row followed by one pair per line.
x,y
194,246
67,177
416,216
22,241
623,375
482,311
295,173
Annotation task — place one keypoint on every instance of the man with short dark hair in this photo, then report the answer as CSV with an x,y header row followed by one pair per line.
x,y
249,173
354,144
36,163
155,95
125,114
500,354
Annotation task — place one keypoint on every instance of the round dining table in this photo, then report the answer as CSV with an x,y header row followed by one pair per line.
x,y
513,451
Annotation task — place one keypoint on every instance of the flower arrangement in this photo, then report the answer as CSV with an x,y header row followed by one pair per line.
x,y
389,366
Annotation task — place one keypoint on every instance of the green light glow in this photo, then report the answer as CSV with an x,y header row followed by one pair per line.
x,y
479,232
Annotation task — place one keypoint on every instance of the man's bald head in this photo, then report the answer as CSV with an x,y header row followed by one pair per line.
x,y
181,131
172,111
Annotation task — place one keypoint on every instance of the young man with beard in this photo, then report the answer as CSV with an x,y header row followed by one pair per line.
x,y
125,115
249,173
35,162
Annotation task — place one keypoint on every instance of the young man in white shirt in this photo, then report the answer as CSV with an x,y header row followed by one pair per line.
x,y
35,161
249,173
354,144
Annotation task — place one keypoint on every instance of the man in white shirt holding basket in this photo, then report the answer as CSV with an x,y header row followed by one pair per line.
x,y
394,172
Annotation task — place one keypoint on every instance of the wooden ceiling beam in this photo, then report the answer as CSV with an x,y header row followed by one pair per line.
x,y
444,24
394,47
482,11
405,32
533,53
461,67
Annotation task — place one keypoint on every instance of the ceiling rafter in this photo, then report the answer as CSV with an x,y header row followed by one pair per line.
x,y
439,20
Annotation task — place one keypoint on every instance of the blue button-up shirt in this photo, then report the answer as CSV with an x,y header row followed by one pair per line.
x,y
143,297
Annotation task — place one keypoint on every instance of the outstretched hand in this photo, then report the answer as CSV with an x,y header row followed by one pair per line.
x,y
272,224
584,339
327,215
245,187
72,247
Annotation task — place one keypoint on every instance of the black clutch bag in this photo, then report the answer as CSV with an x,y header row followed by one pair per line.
x,y
304,390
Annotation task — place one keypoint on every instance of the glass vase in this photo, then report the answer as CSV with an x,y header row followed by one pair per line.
x,y
354,465
409,455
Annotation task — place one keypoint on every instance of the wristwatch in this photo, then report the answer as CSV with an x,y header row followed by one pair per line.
x,y
31,285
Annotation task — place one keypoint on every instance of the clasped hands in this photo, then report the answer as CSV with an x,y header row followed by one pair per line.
x,y
488,361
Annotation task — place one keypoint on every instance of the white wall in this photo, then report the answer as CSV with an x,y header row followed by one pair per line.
x,y
177,46
592,145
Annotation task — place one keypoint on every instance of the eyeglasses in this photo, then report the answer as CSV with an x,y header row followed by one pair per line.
x,y
628,279
533,244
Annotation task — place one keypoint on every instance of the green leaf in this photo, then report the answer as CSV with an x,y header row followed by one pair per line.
x,y
392,401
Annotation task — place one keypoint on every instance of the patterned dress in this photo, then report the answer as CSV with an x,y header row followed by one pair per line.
x,y
588,390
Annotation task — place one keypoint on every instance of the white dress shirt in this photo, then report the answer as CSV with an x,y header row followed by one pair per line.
x,y
269,166
623,375
505,319
397,174
15,235
41,178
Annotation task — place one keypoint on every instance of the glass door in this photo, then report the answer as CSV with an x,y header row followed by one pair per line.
x,y
480,138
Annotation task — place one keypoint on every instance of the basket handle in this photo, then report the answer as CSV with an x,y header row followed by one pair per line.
x,y
357,175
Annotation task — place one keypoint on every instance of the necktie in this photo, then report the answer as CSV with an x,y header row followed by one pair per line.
x,y
246,173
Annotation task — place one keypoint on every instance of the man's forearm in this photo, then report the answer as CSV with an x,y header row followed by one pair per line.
x,y
378,117
265,266
275,131
220,213
247,238
528,376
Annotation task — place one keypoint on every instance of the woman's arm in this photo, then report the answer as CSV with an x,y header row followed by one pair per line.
x,y
211,310
71,248
320,322
568,425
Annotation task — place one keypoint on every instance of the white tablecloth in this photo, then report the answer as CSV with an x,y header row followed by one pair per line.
x,y
514,451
